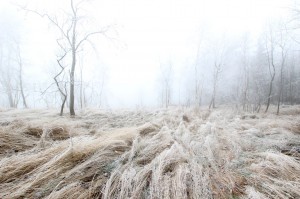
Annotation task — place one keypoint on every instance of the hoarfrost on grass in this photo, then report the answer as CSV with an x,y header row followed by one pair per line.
x,y
175,153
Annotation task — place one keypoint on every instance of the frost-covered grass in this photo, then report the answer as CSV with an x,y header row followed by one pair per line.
x,y
176,153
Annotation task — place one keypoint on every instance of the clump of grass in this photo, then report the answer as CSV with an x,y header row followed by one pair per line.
x,y
212,155
174,165
12,141
276,175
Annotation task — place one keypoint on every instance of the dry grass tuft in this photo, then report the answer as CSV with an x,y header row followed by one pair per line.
x,y
275,175
296,128
159,154
34,131
12,142
174,165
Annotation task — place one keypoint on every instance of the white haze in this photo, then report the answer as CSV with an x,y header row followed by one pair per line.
x,y
148,34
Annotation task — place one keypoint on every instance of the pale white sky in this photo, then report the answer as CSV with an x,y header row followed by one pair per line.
x,y
149,32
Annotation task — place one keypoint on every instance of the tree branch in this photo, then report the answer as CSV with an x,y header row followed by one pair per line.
x,y
53,20
88,35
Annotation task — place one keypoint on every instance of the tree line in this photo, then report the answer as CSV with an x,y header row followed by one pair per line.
x,y
249,72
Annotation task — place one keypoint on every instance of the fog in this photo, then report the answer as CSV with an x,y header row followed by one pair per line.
x,y
155,53
150,99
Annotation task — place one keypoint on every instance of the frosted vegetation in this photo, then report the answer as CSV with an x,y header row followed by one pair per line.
x,y
215,86
164,153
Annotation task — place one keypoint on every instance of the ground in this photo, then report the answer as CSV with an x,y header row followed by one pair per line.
x,y
175,153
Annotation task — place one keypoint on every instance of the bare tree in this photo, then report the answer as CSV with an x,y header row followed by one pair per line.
x,y
20,63
82,94
246,70
258,84
198,86
166,81
7,78
270,48
219,55
217,71
283,53
291,77
62,88
72,39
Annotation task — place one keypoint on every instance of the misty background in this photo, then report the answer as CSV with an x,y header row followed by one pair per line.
x,y
155,53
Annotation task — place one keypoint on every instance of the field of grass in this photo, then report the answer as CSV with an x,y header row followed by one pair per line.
x,y
176,153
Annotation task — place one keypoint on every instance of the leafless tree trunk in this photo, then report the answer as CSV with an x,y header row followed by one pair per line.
x,y
280,88
6,80
245,62
217,70
167,93
11,99
270,57
81,88
21,78
166,76
71,40
219,50
282,65
291,79
63,92
101,92
74,51
198,88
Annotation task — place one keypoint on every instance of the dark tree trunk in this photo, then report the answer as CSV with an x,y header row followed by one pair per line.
x,y
64,101
21,82
72,111
270,93
72,74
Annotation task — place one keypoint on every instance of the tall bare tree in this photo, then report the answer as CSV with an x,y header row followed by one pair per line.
x,y
216,74
72,39
7,76
198,84
166,84
270,50
9,53
219,52
245,72
283,54
61,85
20,63
198,80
